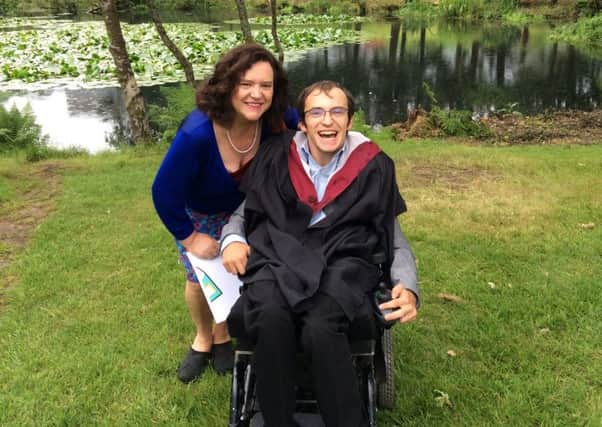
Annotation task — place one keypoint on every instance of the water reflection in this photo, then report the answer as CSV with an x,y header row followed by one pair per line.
x,y
470,67
81,118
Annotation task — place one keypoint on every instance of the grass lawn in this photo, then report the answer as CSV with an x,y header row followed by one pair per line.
x,y
93,321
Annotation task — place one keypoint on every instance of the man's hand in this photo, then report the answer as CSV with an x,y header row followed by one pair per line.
x,y
234,257
201,245
403,304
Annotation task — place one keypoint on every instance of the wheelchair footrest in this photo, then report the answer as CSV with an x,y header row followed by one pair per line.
x,y
302,418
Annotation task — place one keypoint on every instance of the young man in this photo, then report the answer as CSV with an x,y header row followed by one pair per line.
x,y
319,204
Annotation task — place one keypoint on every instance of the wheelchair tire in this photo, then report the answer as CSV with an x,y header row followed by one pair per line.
x,y
386,390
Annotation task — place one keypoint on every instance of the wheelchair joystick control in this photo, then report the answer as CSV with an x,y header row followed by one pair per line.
x,y
383,294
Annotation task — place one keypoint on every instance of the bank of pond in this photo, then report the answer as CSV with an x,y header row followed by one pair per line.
x,y
63,71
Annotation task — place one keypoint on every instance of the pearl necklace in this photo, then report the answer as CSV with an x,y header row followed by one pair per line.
x,y
244,150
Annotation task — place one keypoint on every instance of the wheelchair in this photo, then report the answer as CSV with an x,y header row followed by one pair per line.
x,y
371,344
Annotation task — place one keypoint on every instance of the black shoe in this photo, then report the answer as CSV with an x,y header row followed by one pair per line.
x,y
223,357
193,365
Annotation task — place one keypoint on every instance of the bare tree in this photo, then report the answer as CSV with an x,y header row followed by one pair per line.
x,y
134,102
244,21
184,62
274,11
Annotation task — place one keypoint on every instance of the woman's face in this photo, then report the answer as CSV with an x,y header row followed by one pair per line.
x,y
253,94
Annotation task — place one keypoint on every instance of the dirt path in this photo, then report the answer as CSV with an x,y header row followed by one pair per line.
x,y
35,189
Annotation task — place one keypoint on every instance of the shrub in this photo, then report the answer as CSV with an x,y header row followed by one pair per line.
x,y
454,122
588,7
586,32
457,123
8,7
166,118
37,153
317,7
344,7
18,129
462,8
420,10
64,6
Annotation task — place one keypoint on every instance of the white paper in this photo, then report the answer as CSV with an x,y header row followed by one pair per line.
x,y
221,288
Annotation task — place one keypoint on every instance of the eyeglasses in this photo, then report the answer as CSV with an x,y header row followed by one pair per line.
x,y
320,113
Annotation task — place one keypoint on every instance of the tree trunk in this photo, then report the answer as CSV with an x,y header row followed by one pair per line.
x,y
184,62
244,21
274,10
134,102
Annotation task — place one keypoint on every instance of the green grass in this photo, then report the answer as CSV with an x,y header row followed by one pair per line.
x,y
95,323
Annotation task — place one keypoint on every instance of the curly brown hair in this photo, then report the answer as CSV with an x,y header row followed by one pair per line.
x,y
214,95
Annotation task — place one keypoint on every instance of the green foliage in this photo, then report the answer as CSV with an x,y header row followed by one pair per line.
x,y
462,8
303,38
8,7
521,18
344,7
588,7
78,50
457,123
418,10
64,6
165,119
454,122
37,153
18,129
586,33
456,9
77,7
317,7
306,19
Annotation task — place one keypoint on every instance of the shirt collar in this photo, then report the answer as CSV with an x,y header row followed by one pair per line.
x,y
307,158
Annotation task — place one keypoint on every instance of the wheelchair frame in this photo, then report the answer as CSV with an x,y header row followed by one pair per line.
x,y
374,391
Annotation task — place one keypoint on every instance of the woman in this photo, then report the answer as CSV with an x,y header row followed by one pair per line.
x,y
196,188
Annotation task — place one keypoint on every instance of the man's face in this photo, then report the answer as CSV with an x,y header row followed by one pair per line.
x,y
326,123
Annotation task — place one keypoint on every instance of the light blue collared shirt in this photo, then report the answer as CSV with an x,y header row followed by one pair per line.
x,y
319,175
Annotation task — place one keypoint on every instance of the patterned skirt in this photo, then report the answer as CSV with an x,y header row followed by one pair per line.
x,y
211,224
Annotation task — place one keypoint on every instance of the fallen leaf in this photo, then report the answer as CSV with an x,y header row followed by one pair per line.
x,y
450,297
451,353
443,399
587,225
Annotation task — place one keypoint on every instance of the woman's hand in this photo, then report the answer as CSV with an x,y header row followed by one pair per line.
x,y
201,245
234,257
403,304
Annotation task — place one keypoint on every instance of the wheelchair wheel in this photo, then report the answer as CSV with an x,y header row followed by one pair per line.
x,y
386,390
239,416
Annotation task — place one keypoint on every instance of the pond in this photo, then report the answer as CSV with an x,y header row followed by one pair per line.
x,y
475,67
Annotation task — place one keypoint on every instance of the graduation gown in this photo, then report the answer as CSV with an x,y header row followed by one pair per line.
x,y
335,255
